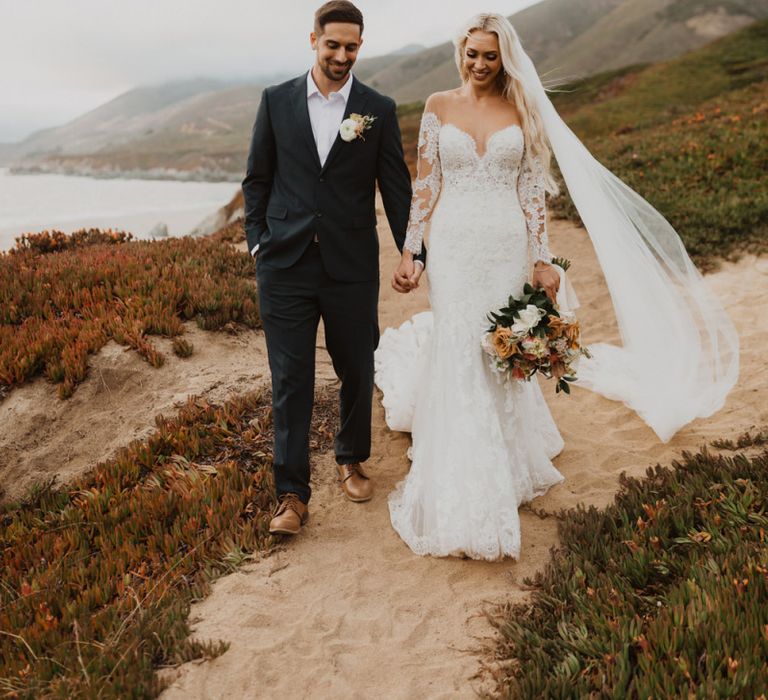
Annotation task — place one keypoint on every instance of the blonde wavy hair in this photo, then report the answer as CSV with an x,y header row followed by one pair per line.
x,y
510,83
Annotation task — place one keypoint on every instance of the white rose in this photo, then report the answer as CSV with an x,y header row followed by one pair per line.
x,y
348,130
528,318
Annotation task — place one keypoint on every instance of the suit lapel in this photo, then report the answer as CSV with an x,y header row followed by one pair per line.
x,y
355,105
301,110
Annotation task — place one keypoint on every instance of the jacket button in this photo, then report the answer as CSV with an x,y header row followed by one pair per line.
x,y
318,214
322,179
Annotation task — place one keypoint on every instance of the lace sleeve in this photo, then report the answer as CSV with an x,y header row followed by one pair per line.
x,y
531,190
426,188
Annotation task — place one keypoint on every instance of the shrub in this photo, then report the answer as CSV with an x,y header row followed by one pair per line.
x,y
53,241
58,309
182,347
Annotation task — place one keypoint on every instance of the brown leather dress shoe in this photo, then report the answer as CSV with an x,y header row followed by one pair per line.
x,y
289,516
354,483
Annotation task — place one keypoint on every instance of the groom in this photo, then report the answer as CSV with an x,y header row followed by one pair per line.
x,y
310,220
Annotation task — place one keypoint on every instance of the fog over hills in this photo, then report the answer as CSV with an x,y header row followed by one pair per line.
x,y
121,119
199,128
6,153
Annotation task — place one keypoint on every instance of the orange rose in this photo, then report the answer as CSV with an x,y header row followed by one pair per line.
x,y
556,327
503,344
572,333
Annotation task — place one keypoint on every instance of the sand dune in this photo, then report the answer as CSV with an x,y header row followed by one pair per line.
x,y
345,610
43,436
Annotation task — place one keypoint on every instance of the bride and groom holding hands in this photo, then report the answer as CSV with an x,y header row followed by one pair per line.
x,y
481,447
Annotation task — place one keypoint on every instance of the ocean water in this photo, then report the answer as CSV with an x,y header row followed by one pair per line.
x,y
31,203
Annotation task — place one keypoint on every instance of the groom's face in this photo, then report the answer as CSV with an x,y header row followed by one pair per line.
x,y
337,49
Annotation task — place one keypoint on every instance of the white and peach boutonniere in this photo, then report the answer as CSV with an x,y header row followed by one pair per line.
x,y
354,126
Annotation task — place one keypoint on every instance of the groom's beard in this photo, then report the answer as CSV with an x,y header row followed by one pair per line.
x,y
336,72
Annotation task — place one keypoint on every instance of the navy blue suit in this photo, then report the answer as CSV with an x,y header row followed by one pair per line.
x,y
319,258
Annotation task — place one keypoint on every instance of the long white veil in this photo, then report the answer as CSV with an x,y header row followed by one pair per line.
x,y
680,352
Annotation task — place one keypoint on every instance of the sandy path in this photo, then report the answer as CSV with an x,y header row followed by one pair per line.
x,y
345,610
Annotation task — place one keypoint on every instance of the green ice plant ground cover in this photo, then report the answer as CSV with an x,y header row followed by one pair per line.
x,y
662,594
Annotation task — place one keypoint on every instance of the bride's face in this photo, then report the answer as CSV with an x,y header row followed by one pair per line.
x,y
482,58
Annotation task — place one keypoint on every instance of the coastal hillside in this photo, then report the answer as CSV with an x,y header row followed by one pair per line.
x,y
689,136
125,499
121,119
199,129
194,129
646,31
366,67
7,151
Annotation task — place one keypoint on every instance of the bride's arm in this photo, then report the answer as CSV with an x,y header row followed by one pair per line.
x,y
532,192
426,189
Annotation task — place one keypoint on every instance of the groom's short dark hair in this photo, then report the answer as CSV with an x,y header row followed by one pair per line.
x,y
337,11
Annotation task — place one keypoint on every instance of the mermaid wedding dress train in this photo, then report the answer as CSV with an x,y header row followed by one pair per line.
x,y
481,447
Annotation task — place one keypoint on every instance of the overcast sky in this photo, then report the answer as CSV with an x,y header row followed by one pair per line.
x,y
59,59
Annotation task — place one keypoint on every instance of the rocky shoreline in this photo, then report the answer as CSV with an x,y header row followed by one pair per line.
x,y
112,172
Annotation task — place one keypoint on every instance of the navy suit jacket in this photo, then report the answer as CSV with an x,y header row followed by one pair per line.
x,y
290,197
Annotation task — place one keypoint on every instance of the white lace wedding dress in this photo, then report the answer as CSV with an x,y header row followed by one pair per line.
x,y
480,447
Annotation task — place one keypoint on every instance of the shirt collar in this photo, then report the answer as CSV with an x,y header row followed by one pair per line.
x,y
312,88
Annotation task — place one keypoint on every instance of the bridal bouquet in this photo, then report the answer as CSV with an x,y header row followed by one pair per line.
x,y
530,335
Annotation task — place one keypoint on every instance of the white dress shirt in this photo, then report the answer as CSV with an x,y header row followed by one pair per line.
x,y
325,115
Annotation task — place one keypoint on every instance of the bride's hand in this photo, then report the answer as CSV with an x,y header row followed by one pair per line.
x,y
546,276
406,272
418,268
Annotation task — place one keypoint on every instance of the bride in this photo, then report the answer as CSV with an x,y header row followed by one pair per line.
x,y
482,447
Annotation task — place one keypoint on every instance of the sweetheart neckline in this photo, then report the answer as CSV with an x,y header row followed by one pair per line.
x,y
487,141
